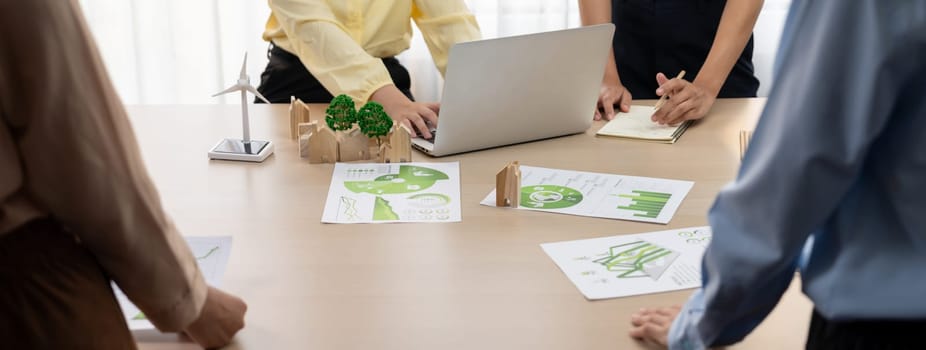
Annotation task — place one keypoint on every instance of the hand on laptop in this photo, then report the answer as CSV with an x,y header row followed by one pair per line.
x,y
612,94
415,115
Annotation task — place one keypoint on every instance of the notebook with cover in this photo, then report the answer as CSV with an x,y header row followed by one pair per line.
x,y
637,125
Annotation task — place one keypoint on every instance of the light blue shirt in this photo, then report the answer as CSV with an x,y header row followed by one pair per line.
x,y
839,155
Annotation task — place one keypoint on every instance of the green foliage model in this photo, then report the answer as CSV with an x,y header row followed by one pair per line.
x,y
373,120
341,114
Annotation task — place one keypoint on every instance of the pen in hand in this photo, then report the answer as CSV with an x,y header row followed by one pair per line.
x,y
662,100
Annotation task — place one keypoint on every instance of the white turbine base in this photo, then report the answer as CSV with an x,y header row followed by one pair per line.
x,y
235,149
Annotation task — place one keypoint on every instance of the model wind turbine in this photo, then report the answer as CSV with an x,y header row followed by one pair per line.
x,y
245,149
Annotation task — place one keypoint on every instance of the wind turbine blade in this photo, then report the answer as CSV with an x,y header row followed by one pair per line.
x,y
254,91
233,88
244,65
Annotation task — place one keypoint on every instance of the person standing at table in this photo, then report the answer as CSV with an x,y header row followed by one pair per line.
x,y
711,40
77,208
839,156
323,48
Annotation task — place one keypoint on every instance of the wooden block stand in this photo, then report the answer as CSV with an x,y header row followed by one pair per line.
x,y
508,186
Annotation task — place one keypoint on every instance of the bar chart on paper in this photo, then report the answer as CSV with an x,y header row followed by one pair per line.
x,y
644,199
599,195
645,204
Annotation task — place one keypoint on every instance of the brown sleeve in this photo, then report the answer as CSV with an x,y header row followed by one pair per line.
x,y
81,160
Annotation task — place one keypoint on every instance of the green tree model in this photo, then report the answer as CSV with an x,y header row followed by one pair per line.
x,y
373,120
341,114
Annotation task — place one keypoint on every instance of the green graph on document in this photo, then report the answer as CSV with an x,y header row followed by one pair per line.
x,y
409,179
382,211
549,196
638,259
647,202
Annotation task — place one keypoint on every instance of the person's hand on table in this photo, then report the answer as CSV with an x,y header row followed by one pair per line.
x,y
686,101
612,94
652,326
415,115
221,317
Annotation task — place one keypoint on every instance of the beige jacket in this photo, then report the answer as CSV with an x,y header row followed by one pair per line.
x,y
67,151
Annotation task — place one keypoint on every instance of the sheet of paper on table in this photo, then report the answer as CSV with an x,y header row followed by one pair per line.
x,y
211,254
599,195
393,192
625,265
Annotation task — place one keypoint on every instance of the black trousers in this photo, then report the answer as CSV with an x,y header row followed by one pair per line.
x,y
286,76
864,335
669,36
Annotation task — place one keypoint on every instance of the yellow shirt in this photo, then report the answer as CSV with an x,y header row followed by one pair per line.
x,y
341,41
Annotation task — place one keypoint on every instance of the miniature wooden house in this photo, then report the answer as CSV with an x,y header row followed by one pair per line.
x,y
353,145
508,186
398,147
305,132
322,144
298,114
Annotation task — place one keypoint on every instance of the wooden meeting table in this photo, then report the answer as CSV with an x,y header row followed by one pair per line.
x,y
483,283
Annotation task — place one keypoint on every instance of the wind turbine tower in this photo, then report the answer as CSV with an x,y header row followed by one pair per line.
x,y
244,149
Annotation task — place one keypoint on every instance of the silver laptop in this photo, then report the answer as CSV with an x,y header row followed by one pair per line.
x,y
517,89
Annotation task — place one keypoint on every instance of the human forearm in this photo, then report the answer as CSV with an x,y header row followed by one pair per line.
x,y
594,12
733,32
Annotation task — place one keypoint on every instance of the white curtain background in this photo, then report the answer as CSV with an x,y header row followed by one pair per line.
x,y
183,51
